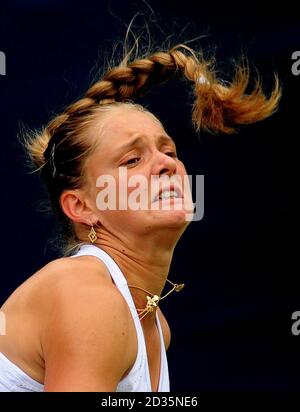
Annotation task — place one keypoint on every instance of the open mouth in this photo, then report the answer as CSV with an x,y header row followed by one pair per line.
x,y
168,194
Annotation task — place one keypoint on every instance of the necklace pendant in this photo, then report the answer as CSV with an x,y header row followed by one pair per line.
x,y
152,302
179,287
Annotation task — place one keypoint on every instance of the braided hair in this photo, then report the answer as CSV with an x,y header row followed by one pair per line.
x,y
60,150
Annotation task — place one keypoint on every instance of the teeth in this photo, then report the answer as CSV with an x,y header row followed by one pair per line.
x,y
166,194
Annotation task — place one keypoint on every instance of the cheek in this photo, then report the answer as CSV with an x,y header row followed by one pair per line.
x,y
105,190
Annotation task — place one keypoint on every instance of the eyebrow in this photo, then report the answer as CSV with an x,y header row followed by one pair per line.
x,y
140,138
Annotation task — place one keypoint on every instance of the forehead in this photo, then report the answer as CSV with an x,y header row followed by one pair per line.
x,y
121,124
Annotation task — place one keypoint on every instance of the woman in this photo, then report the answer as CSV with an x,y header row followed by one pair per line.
x,y
90,320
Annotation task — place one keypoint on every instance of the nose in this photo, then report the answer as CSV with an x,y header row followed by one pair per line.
x,y
164,164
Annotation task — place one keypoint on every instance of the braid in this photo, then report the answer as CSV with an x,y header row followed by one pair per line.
x,y
127,82
119,84
63,146
139,76
217,108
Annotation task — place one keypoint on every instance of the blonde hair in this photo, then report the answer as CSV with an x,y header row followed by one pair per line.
x,y
59,151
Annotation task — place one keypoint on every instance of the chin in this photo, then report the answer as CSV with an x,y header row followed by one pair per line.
x,y
174,218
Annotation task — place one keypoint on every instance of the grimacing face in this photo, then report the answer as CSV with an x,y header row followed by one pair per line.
x,y
138,142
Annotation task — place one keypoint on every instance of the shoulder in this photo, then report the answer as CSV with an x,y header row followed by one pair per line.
x,y
56,279
82,296
82,284
86,329
79,266
60,278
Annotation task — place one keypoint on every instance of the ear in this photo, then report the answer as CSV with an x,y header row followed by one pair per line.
x,y
75,206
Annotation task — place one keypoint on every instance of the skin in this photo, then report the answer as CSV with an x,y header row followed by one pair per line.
x,y
70,345
120,232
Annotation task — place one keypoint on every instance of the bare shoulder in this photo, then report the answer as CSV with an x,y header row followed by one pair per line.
x,y
59,275
87,330
79,267
69,276
63,275
83,283
76,321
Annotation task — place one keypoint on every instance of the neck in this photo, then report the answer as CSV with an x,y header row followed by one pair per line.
x,y
145,266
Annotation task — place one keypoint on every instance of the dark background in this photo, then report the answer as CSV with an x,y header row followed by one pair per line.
x,y
231,326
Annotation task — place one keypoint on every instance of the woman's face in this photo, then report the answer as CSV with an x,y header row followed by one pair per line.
x,y
137,142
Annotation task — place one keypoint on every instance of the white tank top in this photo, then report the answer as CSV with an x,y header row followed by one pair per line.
x,y
14,379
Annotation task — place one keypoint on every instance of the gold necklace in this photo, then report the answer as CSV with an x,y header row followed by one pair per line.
x,y
152,302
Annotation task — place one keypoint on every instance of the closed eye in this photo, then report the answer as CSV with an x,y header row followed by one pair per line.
x,y
171,154
132,161
135,160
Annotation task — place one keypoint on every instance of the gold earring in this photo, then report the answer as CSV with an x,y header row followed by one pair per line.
x,y
92,235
